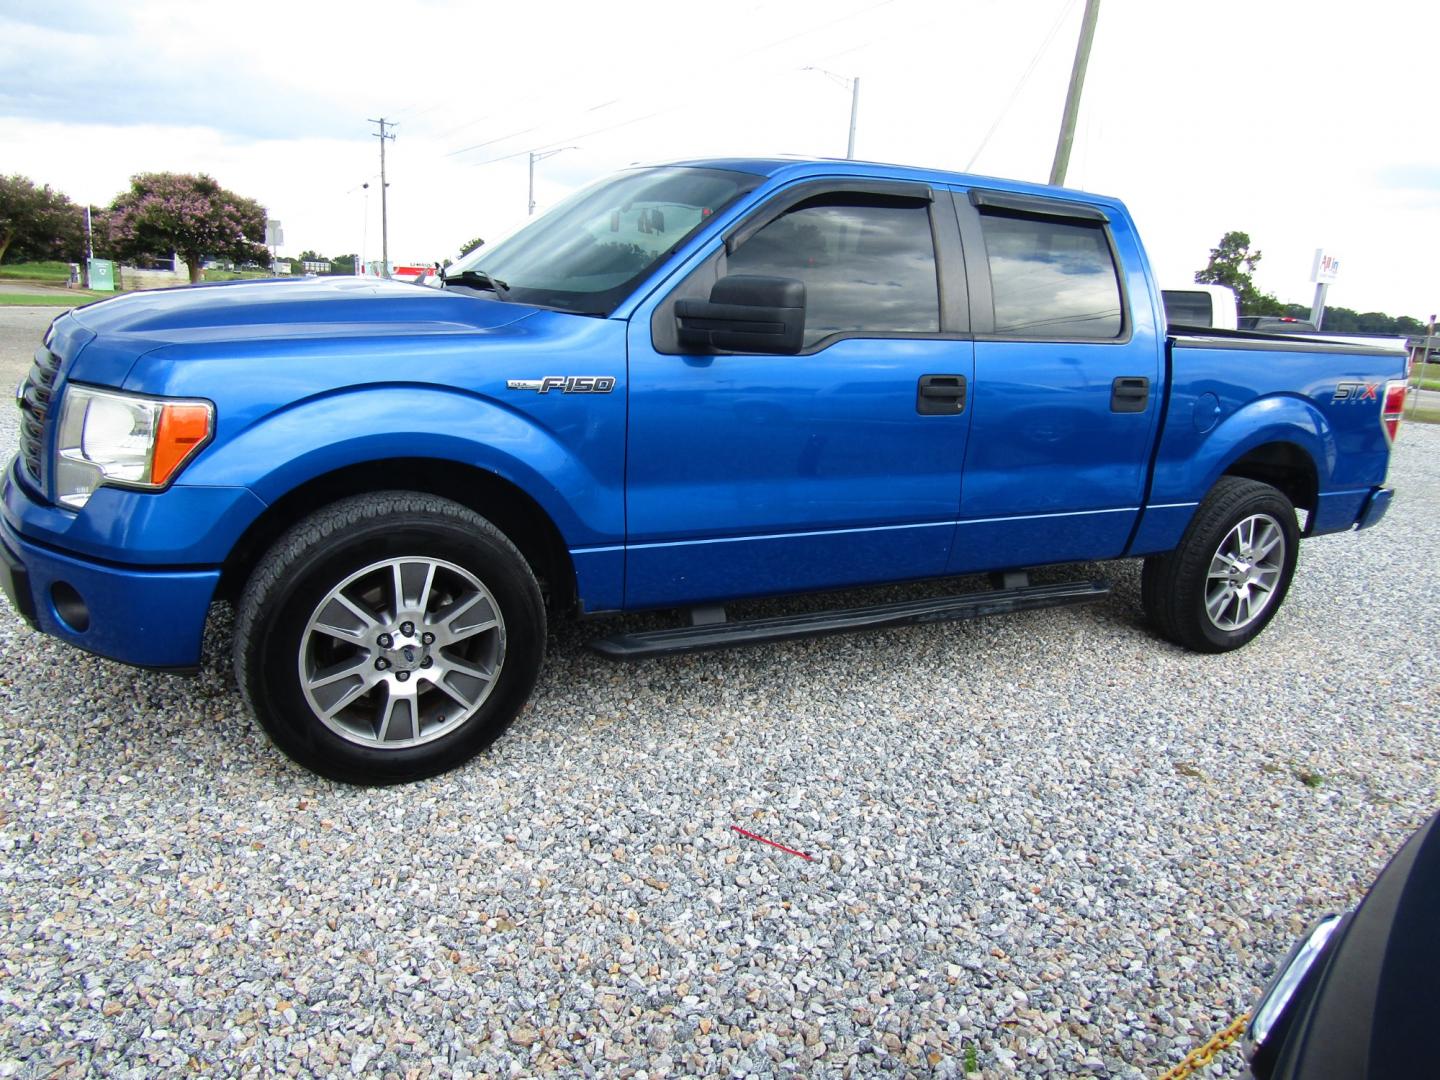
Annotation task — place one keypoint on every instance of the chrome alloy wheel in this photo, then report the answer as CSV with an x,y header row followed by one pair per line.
x,y
1244,572
401,652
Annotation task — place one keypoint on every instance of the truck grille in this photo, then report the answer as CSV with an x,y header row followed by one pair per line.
x,y
34,399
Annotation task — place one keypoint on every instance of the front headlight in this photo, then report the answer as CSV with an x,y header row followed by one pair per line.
x,y
107,437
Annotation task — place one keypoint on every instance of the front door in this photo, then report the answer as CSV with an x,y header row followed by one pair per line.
x,y
750,474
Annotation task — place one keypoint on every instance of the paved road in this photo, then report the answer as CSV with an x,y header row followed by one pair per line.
x,y
30,288
1428,399
21,329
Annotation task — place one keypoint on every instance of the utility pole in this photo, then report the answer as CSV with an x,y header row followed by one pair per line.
x,y
854,112
541,155
383,135
1418,372
1072,96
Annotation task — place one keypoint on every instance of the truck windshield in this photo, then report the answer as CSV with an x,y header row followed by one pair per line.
x,y
590,252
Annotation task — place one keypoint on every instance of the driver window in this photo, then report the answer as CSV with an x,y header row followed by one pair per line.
x,y
868,264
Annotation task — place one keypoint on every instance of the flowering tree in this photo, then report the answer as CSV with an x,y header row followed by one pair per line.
x,y
188,214
38,223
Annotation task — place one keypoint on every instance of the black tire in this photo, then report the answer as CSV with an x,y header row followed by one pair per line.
x,y
1175,587
278,635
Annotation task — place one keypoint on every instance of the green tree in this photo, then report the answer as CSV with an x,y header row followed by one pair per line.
x,y
343,264
469,246
189,214
1232,263
38,223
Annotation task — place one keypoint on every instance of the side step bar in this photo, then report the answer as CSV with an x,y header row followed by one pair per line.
x,y
721,635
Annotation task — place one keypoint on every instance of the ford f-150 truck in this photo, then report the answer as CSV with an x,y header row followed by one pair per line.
x,y
685,385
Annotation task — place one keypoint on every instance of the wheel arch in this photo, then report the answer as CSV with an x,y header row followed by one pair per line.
x,y
506,505
1285,466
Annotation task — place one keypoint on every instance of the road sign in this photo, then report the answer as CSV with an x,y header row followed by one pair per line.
x,y
1325,269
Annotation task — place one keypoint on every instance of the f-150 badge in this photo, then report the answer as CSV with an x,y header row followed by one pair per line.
x,y
566,384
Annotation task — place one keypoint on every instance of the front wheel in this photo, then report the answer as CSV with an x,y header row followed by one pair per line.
x,y
388,638
1227,578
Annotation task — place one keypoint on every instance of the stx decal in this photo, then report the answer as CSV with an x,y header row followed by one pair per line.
x,y
566,384
1357,391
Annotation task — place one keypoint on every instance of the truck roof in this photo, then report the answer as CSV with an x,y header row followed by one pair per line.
x,y
789,168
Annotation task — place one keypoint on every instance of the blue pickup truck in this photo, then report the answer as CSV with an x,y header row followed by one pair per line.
x,y
686,385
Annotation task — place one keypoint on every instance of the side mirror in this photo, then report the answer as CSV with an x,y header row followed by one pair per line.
x,y
746,313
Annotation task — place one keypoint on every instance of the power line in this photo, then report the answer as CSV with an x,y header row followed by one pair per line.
x,y
807,32
1019,86
582,135
498,138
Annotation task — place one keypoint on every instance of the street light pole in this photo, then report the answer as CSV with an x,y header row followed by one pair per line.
x,y
541,155
853,85
1072,96
854,112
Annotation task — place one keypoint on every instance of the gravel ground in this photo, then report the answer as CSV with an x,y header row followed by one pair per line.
x,y
1048,837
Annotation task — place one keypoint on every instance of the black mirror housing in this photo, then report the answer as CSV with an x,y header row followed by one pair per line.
x,y
746,313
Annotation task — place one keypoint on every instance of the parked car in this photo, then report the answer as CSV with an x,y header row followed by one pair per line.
x,y
1201,305
685,385
1357,995
1276,324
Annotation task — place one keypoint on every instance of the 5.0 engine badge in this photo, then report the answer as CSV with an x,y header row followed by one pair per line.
x,y
566,384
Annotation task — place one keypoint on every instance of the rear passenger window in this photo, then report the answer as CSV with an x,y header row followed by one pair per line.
x,y
1051,279
868,264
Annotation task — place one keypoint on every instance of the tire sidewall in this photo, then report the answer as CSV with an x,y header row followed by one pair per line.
x,y
279,630
1274,505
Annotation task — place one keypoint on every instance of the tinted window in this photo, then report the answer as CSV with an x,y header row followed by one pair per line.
x,y
1051,278
1188,308
868,264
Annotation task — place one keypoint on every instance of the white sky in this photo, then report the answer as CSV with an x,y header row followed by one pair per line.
x,y
1305,123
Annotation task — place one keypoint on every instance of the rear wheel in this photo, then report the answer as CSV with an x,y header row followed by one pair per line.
x,y
1229,575
389,637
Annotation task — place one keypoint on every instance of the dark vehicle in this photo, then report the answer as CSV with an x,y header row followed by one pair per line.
x,y
1276,324
1358,994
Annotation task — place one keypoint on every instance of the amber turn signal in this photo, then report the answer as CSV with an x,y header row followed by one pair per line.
x,y
182,430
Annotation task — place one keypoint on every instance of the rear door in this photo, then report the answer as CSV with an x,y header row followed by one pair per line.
x,y
1068,382
750,473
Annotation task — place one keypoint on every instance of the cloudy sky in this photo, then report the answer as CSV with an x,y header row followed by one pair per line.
x,y
1305,123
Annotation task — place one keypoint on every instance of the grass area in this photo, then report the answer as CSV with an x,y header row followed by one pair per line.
x,y
1423,416
69,298
48,273
1425,376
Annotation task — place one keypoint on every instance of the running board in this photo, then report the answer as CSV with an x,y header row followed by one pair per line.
x,y
721,635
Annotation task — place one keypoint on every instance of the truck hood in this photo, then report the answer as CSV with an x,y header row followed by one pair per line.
x,y
245,311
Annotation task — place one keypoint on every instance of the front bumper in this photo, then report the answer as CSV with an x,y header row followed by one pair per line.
x,y
149,617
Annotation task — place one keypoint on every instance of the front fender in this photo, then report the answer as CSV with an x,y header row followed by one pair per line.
x,y
574,474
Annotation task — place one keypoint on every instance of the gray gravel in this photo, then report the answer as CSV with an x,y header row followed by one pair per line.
x,y
1049,836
